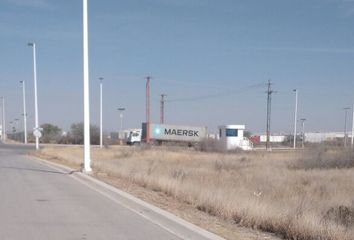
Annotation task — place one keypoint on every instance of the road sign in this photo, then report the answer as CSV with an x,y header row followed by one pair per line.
x,y
37,133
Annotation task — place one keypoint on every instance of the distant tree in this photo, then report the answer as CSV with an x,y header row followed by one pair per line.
x,y
50,133
77,133
95,134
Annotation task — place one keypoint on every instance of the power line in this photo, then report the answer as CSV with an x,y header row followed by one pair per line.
x,y
217,95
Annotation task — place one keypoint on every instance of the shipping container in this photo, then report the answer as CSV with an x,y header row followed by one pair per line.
x,y
169,132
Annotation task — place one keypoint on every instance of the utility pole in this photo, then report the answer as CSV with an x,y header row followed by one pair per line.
x,y
87,151
24,111
148,78
303,131
295,121
162,108
3,120
36,129
345,125
121,133
101,118
269,108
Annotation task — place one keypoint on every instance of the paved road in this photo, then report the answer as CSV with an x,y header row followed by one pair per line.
x,y
41,202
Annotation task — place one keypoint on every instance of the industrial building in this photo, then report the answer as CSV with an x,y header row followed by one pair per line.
x,y
317,137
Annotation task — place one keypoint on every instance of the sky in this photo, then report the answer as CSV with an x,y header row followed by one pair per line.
x,y
211,57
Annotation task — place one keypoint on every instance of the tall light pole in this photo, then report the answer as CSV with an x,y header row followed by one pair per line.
x,y
87,153
121,110
101,118
345,125
295,120
303,132
3,120
36,130
24,111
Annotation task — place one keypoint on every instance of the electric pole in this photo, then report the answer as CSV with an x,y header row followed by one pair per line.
x,y
345,125
303,132
295,117
148,78
162,108
269,108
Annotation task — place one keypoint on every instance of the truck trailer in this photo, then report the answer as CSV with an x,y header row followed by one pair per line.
x,y
168,133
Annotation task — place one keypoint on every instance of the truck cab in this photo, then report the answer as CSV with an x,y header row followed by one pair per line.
x,y
134,137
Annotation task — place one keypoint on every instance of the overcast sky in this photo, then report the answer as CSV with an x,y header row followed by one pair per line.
x,y
211,57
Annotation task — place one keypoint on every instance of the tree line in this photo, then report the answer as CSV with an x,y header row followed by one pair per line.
x,y
53,134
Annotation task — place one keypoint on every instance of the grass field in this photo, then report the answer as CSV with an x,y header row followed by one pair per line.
x,y
297,195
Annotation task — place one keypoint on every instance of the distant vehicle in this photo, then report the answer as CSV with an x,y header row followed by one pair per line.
x,y
134,137
231,136
168,133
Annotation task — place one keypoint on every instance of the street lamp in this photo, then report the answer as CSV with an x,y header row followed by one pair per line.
x,y
24,111
303,131
36,129
3,120
87,153
295,121
345,125
101,118
121,110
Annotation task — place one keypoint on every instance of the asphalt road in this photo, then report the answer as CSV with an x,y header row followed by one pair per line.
x,y
41,202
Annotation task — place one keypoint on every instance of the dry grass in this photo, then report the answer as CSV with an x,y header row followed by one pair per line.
x,y
277,192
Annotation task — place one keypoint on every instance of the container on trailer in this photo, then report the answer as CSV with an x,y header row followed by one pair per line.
x,y
169,132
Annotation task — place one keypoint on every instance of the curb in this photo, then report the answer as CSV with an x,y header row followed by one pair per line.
x,y
160,217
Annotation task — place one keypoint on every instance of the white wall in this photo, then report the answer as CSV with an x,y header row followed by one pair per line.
x,y
273,139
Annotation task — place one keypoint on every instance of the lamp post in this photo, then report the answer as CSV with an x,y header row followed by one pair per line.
x,y
87,153
345,125
101,118
295,120
36,129
3,120
24,111
121,110
303,132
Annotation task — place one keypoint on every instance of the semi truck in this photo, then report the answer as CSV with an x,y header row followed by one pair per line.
x,y
167,133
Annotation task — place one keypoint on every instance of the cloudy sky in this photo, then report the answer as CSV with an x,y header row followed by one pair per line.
x,y
211,57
